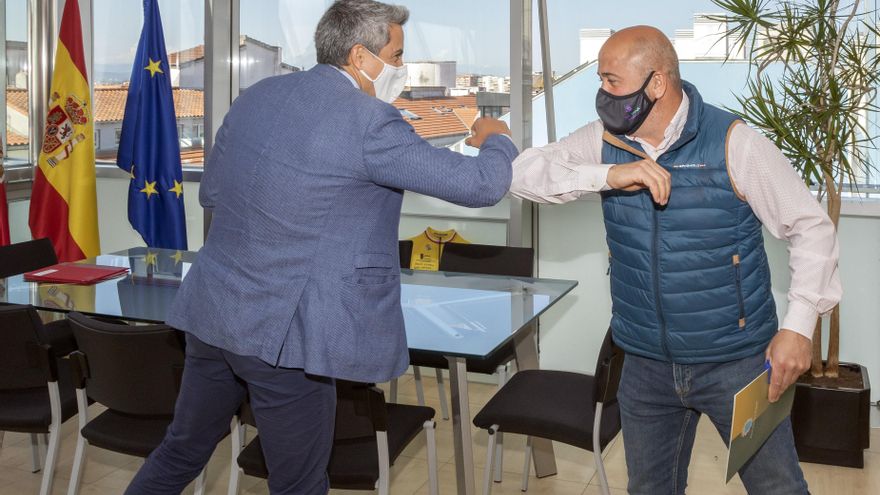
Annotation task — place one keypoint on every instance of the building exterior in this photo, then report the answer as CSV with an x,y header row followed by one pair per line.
x,y
429,73
703,41
258,61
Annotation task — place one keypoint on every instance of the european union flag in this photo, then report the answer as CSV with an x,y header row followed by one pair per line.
x,y
148,147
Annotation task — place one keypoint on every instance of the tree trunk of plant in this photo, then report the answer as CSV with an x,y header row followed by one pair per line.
x,y
832,367
817,369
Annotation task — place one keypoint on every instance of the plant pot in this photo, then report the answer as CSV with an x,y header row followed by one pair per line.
x,y
832,425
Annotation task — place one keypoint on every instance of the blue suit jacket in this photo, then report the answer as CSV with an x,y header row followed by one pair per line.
x,y
300,267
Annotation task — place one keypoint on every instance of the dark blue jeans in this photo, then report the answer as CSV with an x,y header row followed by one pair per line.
x,y
660,404
295,416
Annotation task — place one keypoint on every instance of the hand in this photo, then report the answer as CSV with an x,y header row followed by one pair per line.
x,y
483,128
643,174
790,354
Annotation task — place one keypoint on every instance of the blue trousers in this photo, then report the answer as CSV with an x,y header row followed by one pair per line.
x,y
295,416
660,404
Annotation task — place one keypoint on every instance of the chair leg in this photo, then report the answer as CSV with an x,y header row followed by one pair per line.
x,y
78,464
200,482
499,456
392,396
499,445
441,391
420,391
82,406
382,484
237,438
527,465
54,440
35,453
597,451
490,460
433,483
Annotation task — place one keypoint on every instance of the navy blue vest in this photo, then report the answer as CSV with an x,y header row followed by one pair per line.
x,y
689,281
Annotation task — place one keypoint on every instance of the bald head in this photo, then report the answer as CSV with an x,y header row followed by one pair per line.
x,y
644,49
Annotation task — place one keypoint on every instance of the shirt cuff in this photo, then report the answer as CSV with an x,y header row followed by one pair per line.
x,y
593,178
801,318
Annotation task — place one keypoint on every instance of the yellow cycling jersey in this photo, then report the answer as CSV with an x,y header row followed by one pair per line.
x,y
428,247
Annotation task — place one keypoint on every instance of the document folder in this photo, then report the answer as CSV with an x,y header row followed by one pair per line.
x,y
754,420
74,273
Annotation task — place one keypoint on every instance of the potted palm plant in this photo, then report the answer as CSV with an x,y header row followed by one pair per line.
x,y
814,72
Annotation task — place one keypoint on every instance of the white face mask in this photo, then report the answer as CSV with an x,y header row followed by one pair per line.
x,y
390,82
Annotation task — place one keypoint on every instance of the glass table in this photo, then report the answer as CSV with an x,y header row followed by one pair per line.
x,y
454,315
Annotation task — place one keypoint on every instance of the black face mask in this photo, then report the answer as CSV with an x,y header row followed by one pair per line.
x,y
624,114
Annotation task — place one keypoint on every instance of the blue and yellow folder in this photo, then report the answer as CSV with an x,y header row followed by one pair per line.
x,y
754,420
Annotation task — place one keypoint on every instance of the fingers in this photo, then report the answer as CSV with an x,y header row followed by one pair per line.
x,y
657,180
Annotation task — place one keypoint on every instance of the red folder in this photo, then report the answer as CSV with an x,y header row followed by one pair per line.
x,y
74,273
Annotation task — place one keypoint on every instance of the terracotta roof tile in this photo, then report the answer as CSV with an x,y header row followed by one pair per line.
x,y
438,117
17,99
110,103
14,139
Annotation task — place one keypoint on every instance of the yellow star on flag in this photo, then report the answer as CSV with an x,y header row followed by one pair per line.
x,y
177,189
154,67
131,172
151,259
149,189
177,256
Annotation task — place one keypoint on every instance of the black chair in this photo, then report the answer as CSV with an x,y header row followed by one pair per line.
x,y
36,395
369,436
571,408
26,256
135,372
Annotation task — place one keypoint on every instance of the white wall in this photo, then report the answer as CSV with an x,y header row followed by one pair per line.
x,y
115,231
572,246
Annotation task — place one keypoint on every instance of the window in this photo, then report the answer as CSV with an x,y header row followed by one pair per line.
x,y
17,120
454,59
577,34
117,30
118,136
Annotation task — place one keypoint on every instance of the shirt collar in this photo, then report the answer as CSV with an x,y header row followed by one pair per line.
x,y
672,132
346,74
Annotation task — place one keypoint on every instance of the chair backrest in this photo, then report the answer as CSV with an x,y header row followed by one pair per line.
x,y
360,411
487,259
405,248
26,256
609,365
130,369
24,360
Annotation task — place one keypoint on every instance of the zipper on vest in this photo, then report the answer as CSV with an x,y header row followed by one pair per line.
x,y
655,268
739,294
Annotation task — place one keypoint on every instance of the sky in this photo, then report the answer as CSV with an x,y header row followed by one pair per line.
x,y
475,33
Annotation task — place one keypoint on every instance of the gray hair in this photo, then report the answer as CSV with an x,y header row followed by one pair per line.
x,y
351,22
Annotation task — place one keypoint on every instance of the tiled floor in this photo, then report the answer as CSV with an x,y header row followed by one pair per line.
x,y
107,473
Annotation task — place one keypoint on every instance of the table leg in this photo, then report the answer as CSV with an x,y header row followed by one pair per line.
x,y
461,426
527,359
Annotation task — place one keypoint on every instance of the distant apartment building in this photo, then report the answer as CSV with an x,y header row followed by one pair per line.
x,y
430,73
705,40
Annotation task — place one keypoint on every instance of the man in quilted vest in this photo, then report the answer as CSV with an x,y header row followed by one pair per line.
x,y
687,190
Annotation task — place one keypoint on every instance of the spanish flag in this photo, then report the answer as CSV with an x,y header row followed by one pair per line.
x,y
64,203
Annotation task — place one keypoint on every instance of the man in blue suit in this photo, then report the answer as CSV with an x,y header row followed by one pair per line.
x,y
298,282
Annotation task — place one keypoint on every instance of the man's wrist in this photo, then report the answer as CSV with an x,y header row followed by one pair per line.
x,y
800,318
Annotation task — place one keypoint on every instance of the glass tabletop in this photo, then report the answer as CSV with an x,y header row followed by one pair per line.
x,y
453,314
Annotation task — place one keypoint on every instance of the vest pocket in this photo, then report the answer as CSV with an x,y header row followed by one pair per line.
x,y
739,295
